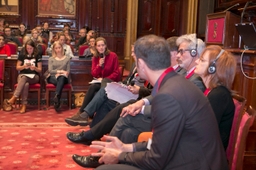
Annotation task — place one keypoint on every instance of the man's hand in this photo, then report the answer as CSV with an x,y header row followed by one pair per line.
x,y
134,89
111,150
132,109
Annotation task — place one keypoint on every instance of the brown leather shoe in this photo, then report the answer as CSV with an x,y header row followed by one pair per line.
x,y
23,108
7,106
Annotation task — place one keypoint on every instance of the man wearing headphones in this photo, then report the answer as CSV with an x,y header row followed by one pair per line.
x,y
190,49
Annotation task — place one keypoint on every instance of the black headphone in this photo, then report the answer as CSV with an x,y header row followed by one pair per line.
x,y
193,52
212,66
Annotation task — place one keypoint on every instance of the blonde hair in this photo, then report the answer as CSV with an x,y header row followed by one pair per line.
x,y
54,45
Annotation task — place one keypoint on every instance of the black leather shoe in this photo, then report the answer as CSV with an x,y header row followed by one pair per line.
x,y
78,138
87,161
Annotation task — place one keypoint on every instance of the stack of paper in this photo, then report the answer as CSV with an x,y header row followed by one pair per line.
x,y
119,92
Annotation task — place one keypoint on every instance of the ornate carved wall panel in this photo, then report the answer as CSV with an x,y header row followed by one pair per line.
x,y
147,17
170,18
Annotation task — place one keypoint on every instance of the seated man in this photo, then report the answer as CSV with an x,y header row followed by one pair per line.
x,y
8,36
185,131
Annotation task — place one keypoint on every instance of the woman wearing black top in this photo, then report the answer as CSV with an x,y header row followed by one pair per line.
x,y
28,65
217,69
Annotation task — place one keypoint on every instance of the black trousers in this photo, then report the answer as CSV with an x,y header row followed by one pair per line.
x,y
58,82
106,124
93,89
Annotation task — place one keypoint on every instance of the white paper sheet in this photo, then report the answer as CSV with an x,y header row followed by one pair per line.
x,y
119,92
29,75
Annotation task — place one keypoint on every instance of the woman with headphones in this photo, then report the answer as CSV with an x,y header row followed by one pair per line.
x,y
217,69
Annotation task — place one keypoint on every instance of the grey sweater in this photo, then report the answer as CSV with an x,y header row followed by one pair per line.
x,y
54,65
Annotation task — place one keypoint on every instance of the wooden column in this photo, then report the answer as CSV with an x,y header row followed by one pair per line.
x,y
131,31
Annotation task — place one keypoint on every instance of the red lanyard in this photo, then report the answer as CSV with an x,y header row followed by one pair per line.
x,y
168,70
190,74
207,91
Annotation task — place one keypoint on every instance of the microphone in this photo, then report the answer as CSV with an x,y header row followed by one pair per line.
x,y
102,56
132,83
245,6
231,7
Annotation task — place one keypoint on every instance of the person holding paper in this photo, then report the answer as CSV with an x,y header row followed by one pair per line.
x,y
29,66
59,69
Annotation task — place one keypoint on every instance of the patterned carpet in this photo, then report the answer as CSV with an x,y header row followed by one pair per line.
x,y
37,140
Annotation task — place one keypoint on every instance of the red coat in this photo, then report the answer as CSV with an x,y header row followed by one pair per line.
x,y
110,69
5,50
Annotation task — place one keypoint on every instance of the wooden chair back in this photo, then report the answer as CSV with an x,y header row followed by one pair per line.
x,y
239,102
236,162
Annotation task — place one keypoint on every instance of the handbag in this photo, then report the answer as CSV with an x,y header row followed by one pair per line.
x,y
79,98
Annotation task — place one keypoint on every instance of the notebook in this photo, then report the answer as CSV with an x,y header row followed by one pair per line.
x,y
247,32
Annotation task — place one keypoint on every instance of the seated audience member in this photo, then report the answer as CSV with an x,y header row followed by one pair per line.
x,y
101,104
35,36
4,49
55,37
22,31
217,68
105,67
59,70
90,34
39,29
8,36
38,40
67,49
90,51
82,39
185,131
68,35
46,33
105,126
29,63
23,49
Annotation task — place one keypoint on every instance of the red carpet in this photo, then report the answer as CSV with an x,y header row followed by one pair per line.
x,y
37,140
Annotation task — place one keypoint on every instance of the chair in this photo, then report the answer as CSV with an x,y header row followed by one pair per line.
x,y
34,88
236,162
20,39
144,136
51,88
13,47
239,102
81,49
44,47
121,71
2,65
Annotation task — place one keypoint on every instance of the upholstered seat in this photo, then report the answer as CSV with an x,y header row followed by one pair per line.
x,y
239,102
81,49
236,162
13,47
35,88
51,88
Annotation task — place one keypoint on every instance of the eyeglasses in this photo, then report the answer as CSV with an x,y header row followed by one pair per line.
x,y
181,51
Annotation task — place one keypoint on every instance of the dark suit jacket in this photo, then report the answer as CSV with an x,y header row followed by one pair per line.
x,y
185,131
